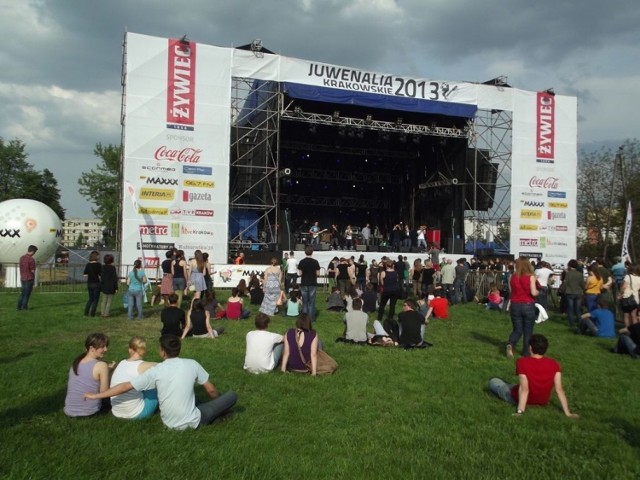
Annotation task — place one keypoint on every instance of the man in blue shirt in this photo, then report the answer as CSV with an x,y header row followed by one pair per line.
x,y
599,322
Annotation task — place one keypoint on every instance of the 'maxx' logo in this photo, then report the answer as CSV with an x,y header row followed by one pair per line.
x,y
10,232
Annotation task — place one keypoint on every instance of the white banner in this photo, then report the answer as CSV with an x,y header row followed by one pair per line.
x,y
627,231
543,176
177,117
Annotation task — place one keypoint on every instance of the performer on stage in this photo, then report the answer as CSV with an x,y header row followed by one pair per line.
x,y
366,235
422,243
335,237
314,231
348,237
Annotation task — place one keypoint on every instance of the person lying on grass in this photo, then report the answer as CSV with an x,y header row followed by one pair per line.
x,y
133,404
174,379
537,376
88,372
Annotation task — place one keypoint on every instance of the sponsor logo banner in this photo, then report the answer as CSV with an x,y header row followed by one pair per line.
x,y
531,214
545,127
179,137
175,229
196,212
531,254
184,155
153,211
540,182
150,262
185,230
188,196
194,246
154,246
192,170
157,194
153,229
553,242
199,183
554,228
558,204
181,85
528,227
530,203
532,194
556,215
554,194
528,242
158,168
159,181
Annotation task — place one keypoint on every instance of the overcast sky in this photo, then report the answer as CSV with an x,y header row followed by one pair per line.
x,y
61,59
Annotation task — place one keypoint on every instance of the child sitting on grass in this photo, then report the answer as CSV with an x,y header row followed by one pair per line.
x,y
294,304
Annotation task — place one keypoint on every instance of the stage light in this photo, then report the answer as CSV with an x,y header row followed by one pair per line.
x,y
313,128
351,133
403,138
434,125
336,115
341,132
416,140
399,121
369,119
256,48
360,134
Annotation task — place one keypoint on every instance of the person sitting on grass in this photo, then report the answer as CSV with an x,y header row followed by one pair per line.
x,y
234,309
134,405
174,379
411,326
199,322
629,341
300,347
335,303
172,317
88,373
438,307
599,322
264,349
494,299
294,304
538,375
355,323
211,303
350,296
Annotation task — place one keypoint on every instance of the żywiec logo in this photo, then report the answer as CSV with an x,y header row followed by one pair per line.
x,y
549,182
154,230
157,194
184,155
181,85
188,196
545,127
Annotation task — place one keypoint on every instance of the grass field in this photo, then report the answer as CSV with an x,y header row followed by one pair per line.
x,y
386,413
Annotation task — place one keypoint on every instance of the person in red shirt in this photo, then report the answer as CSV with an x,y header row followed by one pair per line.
x,y
538,375
240,259
27,276
438,307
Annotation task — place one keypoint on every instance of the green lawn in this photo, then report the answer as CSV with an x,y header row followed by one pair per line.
x,y
386,413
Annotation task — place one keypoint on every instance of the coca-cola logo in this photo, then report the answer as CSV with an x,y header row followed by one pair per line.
x,y
154,230
549,182
184,155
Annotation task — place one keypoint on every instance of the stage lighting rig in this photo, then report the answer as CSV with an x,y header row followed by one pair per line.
x,y
368,119
256,48
336,115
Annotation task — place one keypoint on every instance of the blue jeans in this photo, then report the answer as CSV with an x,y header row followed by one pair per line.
x,y
502,390
459,291
573,308
543,297
628,345
134,296
25,293
94,297
309,301
523,317
215,408
591,301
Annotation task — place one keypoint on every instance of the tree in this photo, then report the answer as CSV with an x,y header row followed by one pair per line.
x,y
20,180
79,243
101,186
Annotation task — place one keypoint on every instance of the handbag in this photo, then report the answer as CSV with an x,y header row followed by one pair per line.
x,y
325,365
628,304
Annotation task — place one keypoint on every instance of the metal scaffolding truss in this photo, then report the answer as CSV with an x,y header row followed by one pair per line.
x,y
256,113
491,132
344,176
370,124
254,155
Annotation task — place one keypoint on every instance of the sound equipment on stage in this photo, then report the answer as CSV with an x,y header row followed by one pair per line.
x,y
457,246
258,257
384,248
415,250
273,247
372,248
299,247
325,246
405,249
361,248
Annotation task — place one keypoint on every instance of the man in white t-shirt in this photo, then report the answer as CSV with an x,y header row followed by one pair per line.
x,y
355,328
264,349
291,272
174,378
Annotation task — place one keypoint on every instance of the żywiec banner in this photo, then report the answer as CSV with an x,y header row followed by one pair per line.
x,y
177,119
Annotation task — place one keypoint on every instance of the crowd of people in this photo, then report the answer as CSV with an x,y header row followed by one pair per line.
x,y
359,289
